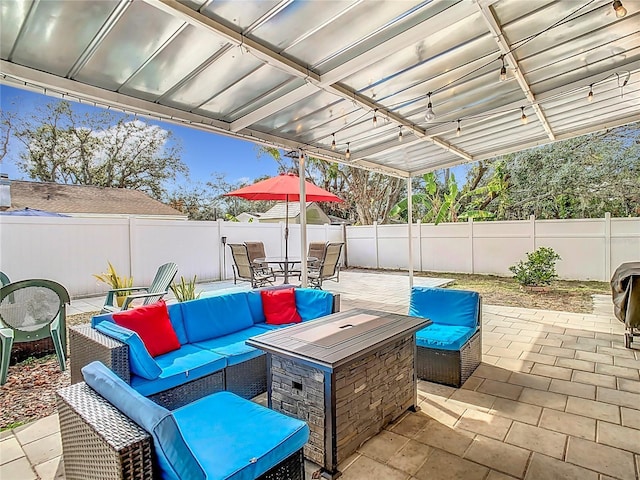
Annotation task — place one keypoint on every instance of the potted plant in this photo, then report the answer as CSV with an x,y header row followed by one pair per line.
x,y
184,290
115,281
537,273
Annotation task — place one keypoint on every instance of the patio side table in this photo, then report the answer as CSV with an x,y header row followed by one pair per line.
x,y
347,375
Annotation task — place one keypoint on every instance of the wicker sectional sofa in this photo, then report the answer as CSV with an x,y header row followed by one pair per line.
x,y
212,356
450,349
110,431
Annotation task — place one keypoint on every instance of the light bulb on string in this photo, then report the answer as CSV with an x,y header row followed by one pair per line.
x,y
429,115
400,134
347,154
523,118
619,9
503,70
590,95
333,141
375,118
458,131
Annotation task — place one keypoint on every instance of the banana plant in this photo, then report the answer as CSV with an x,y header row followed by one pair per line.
x,y
453,204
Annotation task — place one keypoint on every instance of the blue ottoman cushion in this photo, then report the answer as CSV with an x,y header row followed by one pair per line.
x,y
231,447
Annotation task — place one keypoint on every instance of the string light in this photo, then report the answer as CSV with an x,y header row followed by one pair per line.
x,y
620,10
503,70
590,96
347,154
333,142
375,119
458,131
429,115
523,118
400,134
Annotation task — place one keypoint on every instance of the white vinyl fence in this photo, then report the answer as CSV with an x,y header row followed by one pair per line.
x,y
70,250
591,249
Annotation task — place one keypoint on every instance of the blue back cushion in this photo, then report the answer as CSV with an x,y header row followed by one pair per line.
x,y
174,456
175,316
445,306
213,317
312,303
140,361
255,305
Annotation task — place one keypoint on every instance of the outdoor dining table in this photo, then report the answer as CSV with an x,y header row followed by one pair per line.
x,y
347,375
285,264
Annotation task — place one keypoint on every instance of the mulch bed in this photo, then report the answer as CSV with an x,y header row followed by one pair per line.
x,y
29,392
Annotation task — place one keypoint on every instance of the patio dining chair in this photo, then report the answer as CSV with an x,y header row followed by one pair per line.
x,y
159,288
32,310
316,250
244,268
328,268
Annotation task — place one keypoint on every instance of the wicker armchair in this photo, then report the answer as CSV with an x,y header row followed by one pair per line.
x,y
450,349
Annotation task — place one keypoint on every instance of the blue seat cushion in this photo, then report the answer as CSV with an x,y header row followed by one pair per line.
x,y
178,367
446,306
237,439
175,458
233,346
444,337
141,363
312,303
212,317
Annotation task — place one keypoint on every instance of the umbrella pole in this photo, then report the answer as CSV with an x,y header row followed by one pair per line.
x,y
286,241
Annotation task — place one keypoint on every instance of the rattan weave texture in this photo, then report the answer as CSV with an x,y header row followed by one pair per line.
x,y
86,344
247,379
98,441
450,367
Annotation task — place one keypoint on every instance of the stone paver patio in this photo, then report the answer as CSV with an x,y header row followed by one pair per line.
x,y
556,397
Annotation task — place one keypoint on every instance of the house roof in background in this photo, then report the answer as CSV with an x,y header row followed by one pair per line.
x,y
299,75
77,199
279,210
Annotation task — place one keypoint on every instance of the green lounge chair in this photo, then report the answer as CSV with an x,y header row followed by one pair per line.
x,y
159,288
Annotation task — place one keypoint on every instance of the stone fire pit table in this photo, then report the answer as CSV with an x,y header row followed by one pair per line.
x,y
347,375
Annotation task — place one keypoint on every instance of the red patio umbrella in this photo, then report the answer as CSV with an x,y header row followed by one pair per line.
x,y
285,187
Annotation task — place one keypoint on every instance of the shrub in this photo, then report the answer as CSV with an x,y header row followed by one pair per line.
x,y
538,270
185,290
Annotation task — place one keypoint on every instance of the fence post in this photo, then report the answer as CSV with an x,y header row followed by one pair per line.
x,y
532,221
222,259
607,247
345,250
375,241
132,244
470,221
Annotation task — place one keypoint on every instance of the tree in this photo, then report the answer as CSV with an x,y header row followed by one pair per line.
x,y
7,126
104,150
446,202
369,196
583,177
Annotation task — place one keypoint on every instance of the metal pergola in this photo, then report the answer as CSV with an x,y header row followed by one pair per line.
x,y
312,75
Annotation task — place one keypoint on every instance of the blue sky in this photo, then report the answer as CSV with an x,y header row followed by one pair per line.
x,y
203,152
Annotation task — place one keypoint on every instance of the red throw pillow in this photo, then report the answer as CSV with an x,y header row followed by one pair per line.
x,y
279,306
152,323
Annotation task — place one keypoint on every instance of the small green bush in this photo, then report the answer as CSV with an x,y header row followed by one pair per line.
x,y
185,290
538,270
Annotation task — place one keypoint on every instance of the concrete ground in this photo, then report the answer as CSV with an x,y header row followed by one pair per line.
x,y
556,397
